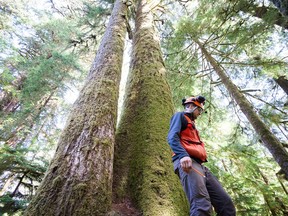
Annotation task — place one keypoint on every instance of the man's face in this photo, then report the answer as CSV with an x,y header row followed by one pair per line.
x,y
197,112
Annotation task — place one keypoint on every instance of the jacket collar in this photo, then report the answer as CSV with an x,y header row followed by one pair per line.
x,y
190,115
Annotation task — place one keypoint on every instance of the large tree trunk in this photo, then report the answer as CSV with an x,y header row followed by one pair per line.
x,y
283,83
282,6
79,179
262,13
8,102
143,169
269,14
23,128
269,140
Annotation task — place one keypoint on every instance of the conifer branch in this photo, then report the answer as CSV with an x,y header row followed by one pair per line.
x,y
271,105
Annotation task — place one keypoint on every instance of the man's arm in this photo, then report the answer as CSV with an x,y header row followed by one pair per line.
x,y
173,137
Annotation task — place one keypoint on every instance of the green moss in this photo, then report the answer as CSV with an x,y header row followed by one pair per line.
x,y
143,165
146,167
80,187
89,194
57,181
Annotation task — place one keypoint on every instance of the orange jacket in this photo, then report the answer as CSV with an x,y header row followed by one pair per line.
x,y
190,140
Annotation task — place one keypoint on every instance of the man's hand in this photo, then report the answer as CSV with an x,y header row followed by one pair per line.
x,y
186,164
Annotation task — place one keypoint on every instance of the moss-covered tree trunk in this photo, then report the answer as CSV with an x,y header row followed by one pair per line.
x,y
269,140
79,179
143,169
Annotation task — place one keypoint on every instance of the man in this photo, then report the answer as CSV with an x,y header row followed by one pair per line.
x,y
202,189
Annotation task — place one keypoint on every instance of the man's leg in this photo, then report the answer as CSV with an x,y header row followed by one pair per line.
x,y
194,186
220,200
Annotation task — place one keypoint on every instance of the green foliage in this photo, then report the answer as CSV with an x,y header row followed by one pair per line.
x,y
35,74
26,168
39,62
94,11
90,25
11,205
248,174
15,160
245,48
43,76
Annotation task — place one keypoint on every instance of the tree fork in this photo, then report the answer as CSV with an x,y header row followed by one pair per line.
x,y
143,169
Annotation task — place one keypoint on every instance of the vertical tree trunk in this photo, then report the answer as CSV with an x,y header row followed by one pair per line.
x,y
283,83
17,137
262,12
281,183
269,140
6,184
282,6
19,183
273,207
143,169
8,102
79,179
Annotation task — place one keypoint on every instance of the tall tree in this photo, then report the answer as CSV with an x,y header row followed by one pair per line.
x,y
267,13
79,179
18,171
35,66
269,140
283,83
254,173
227,46
282,6
143,170
33,70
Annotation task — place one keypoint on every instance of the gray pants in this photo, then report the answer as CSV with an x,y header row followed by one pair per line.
x,y
203,193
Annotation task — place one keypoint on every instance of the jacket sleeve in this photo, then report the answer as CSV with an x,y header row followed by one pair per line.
x,y
173,137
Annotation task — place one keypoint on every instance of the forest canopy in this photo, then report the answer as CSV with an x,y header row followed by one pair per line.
x,y
82,82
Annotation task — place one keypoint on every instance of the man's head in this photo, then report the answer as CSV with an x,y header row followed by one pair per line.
x,y
194,105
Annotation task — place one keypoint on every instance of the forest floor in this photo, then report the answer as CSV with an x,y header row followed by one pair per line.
x,y
124,208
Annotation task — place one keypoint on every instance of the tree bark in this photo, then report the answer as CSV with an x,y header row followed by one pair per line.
x,y
268,139
17,136
8,102
282,6
6,184
262,12
283,83
79,178
272,206
143,169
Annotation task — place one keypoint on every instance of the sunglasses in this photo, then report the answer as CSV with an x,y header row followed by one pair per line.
x,y
200,110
